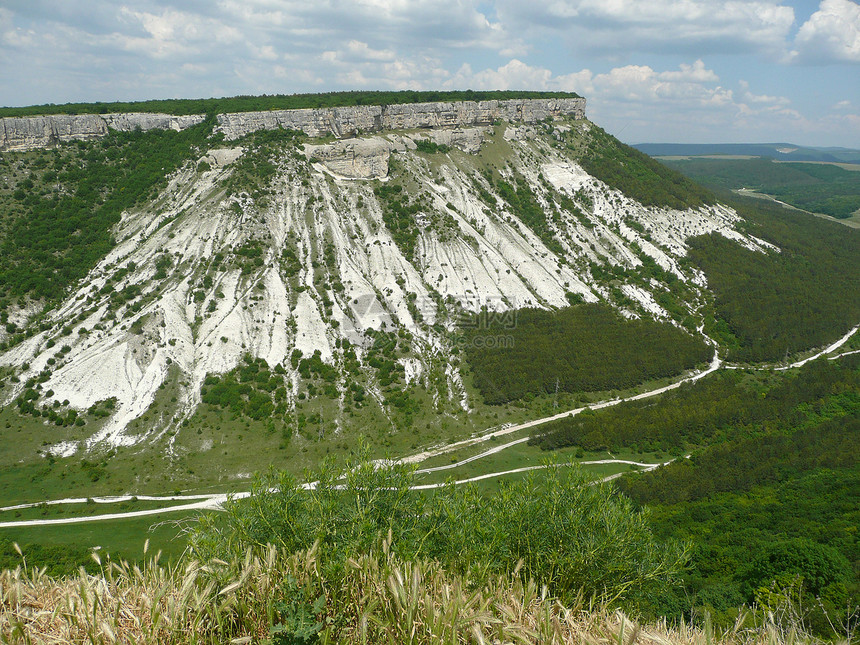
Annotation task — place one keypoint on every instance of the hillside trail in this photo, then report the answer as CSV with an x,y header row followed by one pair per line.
x,y
781,368
214,501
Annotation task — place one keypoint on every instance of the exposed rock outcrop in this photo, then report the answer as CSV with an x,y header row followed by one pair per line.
x,y
467,139
347,121
354,158
28,133
367,158
151,121
342,121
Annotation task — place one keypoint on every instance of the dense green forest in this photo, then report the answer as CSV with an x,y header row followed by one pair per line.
x,y
745,462
820,188
786,493
794,539
58,206
278,102
771,305
585,348
636,174
769,493
726,405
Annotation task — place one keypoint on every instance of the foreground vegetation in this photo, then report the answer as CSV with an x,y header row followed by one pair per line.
x,y
359,558
613,558
378,598
362,557
62,550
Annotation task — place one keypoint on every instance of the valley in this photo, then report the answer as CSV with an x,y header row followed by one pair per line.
x,y
484,293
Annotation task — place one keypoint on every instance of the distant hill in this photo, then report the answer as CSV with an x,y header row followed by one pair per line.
x,y
777,151
819,187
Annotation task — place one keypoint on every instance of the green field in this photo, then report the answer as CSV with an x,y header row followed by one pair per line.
x,y
64,548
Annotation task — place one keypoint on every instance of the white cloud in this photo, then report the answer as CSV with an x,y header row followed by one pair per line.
x,y
177,33
85,50
361,51
690,85
695,73
515,75
11,36
416,24
683,104
763,99
831,33
658,25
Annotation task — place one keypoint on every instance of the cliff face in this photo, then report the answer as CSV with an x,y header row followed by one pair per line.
x,y
27,133
346,121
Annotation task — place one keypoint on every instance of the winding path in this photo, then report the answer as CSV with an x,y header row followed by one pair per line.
x,y
214,501
827,350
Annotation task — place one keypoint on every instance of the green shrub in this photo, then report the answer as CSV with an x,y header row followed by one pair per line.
x,y
431,147
555,528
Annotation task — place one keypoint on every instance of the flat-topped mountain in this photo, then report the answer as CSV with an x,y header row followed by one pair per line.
x,y
251,286
30,132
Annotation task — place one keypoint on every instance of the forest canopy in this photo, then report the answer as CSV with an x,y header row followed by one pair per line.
x,y
585,348
724,406
816,187
771,305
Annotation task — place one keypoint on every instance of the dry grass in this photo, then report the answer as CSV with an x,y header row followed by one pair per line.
x,y
376,599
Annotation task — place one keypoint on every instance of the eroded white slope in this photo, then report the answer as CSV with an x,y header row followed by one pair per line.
x,y
205,275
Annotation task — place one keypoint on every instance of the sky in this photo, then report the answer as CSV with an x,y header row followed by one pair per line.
x,y
687,71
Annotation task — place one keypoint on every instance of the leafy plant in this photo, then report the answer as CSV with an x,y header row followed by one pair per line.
x,y
431,147
298,614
